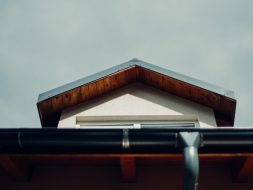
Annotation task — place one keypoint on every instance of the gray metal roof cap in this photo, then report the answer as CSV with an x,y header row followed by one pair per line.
x,y
136,62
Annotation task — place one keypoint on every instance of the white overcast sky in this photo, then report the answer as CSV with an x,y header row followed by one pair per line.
x,y
48,43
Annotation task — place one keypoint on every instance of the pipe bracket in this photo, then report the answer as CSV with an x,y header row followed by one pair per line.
x,y
125,139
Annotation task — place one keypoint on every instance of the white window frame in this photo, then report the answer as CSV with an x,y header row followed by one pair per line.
x,y
135,122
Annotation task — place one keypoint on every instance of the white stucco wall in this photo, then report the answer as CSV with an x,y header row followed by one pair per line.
x,y
139,100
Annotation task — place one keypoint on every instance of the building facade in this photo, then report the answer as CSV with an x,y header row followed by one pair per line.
x,y
133,96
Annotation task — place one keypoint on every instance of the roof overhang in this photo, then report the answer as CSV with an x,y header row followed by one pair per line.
x,y
52,103
23,148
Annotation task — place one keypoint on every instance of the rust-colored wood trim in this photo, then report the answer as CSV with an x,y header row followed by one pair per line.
x,y
51,108
17,168
19,165
128,169
242,169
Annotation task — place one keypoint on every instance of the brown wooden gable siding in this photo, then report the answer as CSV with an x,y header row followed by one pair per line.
x,y
51,108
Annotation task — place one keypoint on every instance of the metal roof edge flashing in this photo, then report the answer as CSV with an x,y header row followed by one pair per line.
x,y
75,84
190,80
135,62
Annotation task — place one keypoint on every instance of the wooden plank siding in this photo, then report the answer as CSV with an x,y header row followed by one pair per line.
x,y
113,159
16,167
242,168
128,169
19,166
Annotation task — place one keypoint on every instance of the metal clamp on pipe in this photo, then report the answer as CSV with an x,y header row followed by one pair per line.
x,y
125,139
190,142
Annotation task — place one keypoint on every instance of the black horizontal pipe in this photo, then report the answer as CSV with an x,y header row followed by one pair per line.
x,y
144,140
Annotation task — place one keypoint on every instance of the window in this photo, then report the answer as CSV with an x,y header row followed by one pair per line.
x,y
136,122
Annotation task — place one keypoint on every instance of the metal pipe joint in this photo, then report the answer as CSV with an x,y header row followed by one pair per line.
x,y
190,141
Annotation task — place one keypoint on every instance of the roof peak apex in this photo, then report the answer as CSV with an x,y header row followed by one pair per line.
x,y
135,60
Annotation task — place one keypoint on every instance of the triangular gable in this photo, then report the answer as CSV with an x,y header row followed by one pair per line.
x,y
50,104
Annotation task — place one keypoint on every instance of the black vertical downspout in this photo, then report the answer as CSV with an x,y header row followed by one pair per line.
x,y
190,142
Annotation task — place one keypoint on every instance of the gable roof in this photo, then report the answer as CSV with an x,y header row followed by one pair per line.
x,y
51,103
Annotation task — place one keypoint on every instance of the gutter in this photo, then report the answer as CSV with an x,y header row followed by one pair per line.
x,y
190,141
